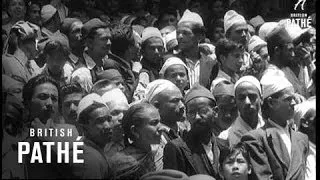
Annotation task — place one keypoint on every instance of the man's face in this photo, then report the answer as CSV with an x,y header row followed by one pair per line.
x,y
171,106
236,167
34,14
153,50
200,114
100,125
56,61
101,43
70,106
233,62
287,53
177,74
248,100
32,49
168,20
17,9
239,33
44,102
227,111
134,49
218,33
308,124
283,106
75,34
186,38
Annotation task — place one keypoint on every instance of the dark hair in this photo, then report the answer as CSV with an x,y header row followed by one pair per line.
x,y
122,39
93,32
28,88
133,118
233,151
165,11
71,88
53,47
226,46
84,116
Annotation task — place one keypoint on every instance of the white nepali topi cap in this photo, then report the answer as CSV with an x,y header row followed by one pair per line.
x,y
250,79
189,16
87,101
273,84
169,62
255,42
231,18
156,87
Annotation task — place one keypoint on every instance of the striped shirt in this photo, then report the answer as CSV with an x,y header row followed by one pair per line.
x,y
193,71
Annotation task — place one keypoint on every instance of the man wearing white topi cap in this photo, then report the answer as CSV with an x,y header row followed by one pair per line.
x,y
277,151
190,33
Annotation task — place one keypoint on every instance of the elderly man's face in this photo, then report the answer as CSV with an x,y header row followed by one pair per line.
x,y
153,50
185,36
100,125
239,33
171,106
248,100
101,43
287,54
44,102
201,114
70,107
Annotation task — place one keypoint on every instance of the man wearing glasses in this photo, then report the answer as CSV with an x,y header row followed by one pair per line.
x,y
198,151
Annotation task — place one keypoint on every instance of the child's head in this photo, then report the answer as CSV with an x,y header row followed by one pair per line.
x,y
234,163
230,54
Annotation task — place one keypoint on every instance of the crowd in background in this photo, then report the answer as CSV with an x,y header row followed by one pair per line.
x,y
160,89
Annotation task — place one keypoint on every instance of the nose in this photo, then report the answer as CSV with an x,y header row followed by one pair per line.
x,y
121,87
108,42
156,50
292,102
244,33
73,107
247,100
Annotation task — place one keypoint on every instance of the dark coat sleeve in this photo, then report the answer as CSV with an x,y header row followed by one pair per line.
x,y
258,157
171,157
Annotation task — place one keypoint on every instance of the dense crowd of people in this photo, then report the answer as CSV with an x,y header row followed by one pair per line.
x,y
160,89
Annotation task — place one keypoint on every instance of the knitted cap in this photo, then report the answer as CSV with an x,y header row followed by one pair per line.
x,y
198,91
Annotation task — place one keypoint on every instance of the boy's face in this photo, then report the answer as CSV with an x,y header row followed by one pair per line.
x,y
235,167
234,60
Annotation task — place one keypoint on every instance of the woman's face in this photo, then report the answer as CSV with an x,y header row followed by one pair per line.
x,y
149,131
17,9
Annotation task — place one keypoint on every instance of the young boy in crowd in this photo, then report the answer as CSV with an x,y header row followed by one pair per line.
x,y
234,163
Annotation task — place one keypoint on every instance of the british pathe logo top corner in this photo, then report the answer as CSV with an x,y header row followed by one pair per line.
x,y
299,17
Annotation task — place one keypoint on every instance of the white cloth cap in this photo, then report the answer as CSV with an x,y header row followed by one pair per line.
x,y
170,36
273,84
266,28
256,21
169,62
301,109
189,16
231,18
87,101
250,79
294,30
47,12
156,87
254,42
114,95
83,77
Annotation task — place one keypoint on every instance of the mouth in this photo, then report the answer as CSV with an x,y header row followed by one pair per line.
x,y
237,174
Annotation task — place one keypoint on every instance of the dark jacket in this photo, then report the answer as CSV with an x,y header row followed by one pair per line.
x,y
150,69
187,155
269,156
125,69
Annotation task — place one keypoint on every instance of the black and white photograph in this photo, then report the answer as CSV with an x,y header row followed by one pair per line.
x,y
159,89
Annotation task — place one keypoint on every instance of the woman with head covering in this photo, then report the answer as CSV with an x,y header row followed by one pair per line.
x,y
20,50
141,125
